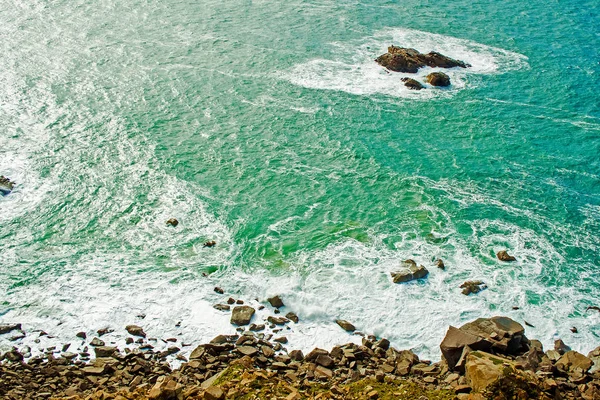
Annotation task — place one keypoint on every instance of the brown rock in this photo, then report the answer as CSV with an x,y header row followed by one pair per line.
x,y
504,256
210,243
105,351
410,272
324,360
345,325
214,393
438,79
292,317
222,307
412,84
440,264
402,59
296,355
472,287
573,362
172,222
166,388
242,315
276,301
5,328
483,369
135,330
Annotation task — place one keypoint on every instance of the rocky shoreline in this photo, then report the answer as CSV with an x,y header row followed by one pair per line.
x,y
489,358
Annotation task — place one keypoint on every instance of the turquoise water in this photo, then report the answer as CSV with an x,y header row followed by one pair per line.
x,y
267,127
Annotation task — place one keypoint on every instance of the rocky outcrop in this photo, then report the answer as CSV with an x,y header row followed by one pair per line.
x,y
438,79
499,335
504,256
483,369
241,315
412,84
472,287
410,272
401,59
6,328
6,185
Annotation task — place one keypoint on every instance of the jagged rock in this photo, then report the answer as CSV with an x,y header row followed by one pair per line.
x,y
222,307
440,264
242,315
214,393
483,369
105,351
573,362
296,355
411,272
594,355
277,320
173,222
97,342
472,287
104,331
438,79
504,256
197,353
218,290
210,243
276,301
292,317
412,84
135,330
345,325
81,335
6,328
247,350
6,186
401,59
561,347
499,334
166,388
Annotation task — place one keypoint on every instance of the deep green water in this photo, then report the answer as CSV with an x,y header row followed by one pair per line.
x,y
267,127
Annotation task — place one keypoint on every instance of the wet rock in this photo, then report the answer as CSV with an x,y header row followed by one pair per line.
x,y
97,342
561,347
440,264
135,330
345,325
573,362
472,287
438,79
104,331
222,307
282,340
410,272
6,185
504,256
219,290
166,388
6,328
242,315
81,335
172,222
278,320
105,351
210,243
276,301
292,317
296,355
412,84
401,59
573,329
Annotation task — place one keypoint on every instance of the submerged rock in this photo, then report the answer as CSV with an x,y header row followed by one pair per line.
x,y
6,185
412,84
504,256
411,272
438,79
401,59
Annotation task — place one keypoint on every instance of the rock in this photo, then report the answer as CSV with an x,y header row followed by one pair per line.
x,y
247,350
197,353
96,342
504,256
296,355
573,362
440,264
104,331
400,59
275,301
219,290
210,243
222,307
292,317
561,347
411,272
6,186
281,339
499,334
594,355
135,330
278,320
242,315
105,351
172,222
412,84
6,328
482,369
214,393
324,360
345,325
472,287
166,388
14,355
438,79
574,329
81,335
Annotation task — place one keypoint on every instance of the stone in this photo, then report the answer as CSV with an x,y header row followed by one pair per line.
x,y
438,79
96,342
401,59
322,372
281,339
6,186
197,353
81,335
172,222
572,362
345,325
242,315
214,393
105,351
210,243
561,347
594,355
222,307
219,290
482,369
440,264
296,355
412,84
6,328
275,301
410,272
504,256
166,388
292,317
247,350
469,287
324,360
135,330
278,320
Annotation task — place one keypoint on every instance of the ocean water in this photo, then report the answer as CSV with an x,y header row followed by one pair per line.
x,y
267,127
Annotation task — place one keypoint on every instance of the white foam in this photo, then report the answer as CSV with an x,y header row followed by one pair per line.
x,y
352,67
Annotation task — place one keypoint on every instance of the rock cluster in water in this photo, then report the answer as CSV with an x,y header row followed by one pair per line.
x,y
6,185
407,60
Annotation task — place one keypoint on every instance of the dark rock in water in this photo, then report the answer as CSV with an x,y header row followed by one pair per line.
x,y
574,329
222,307
277,320
345,325
135,330
81,335
438,79
219,290
500,335
440,264
401,59
561,347
210,243
504,256
472,287
595,308
411,272
104,331
412,84
5,328
6,185
173,222
97,342
276,301
242,315
292,316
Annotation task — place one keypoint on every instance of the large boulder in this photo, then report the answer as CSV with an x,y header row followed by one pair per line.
x,y
241,315
401,59
412,84
410,272
500,335
5,328
6,185
573,362
594,355
484,369
438,79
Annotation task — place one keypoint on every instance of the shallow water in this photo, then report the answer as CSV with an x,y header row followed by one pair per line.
x,y
267,127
